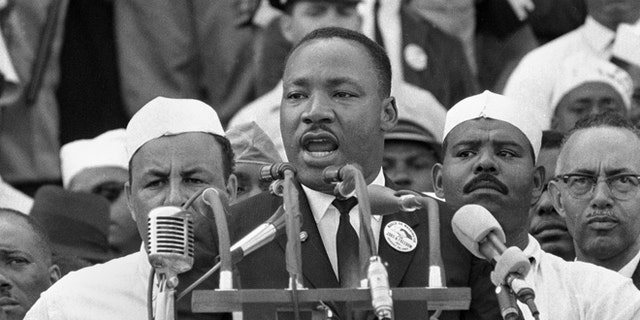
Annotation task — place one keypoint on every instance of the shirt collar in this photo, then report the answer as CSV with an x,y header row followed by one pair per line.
x,y
533,250
630,267
596,35
319,202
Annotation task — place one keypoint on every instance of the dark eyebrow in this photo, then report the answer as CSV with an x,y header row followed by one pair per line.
x,y
469,142
155,172
342,80
507,143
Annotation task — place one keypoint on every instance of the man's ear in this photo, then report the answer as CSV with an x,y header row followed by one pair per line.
x,y
389,114
538,183
436,176
54,273
127,192
556,198
232,188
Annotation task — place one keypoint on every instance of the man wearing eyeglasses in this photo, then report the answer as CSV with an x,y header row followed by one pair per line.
x,y
596,190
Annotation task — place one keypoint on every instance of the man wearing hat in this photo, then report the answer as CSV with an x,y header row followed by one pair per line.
x,y
411,148
253,150
175,148
335,110
77,224
99,166
602,217
491,144
26,267
607,32
587,85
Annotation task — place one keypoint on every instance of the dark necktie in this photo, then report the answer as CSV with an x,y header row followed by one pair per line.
x,y
347,245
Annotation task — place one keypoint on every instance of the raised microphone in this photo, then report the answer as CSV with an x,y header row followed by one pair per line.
x,y
275,171
385,201
479,232
170,241
259,236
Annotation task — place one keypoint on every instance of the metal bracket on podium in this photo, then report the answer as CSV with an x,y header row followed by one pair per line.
x,y
272,301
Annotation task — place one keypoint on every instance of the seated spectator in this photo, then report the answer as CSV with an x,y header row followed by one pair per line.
x,y
99,166
252,150
26,268
602,217
77,224
411,149
589,86
545,224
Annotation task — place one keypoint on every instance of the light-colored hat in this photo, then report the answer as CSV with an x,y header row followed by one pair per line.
x,y
105,150
251,144
498,107
166,117
581,69
417,120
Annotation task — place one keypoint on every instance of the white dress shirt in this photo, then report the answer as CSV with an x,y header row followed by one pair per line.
x,y
578,290
534,78
327,218
113,290
630,267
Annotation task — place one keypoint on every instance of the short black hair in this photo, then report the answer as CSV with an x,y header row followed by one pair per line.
x,y
551,139
376,52
228,162
610,119
42,239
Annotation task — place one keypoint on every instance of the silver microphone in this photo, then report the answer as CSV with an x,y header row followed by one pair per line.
x,y
170,241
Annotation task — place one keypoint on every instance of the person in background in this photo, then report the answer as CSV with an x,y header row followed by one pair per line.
x,y
26,267
536,75
588,86
253,150
176,148
411,150
99,166
12,198
596,190
491,145
545,224
77,224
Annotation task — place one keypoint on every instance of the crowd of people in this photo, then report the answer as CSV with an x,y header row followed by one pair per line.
x,y
462,102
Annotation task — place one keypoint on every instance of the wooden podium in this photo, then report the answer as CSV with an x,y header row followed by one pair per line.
x,y
270,302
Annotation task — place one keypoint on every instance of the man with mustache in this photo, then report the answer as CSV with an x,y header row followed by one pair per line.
x,y
545,224
336,109
491,144
602,217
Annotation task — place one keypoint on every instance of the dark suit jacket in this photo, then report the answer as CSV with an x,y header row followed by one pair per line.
x,y
636,277
265,268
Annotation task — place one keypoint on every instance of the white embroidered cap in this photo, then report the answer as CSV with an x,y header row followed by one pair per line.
x,y
166,117
105,150
494,106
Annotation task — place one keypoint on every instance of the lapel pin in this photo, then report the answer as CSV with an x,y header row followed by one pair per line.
x,y
400,236
303,236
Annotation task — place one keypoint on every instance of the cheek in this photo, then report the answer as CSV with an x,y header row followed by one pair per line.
x,y
30,284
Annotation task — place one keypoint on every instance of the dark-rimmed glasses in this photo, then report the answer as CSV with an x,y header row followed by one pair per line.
x,y
581,186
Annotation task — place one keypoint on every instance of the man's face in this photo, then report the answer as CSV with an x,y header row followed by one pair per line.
x,y
332,112
25,269
545,224
307,16
109,183
586,99
613,12
168,170
602,226
249,184
408,164
489,162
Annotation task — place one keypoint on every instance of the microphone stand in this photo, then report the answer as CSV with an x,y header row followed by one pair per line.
x,y
293,250
211,196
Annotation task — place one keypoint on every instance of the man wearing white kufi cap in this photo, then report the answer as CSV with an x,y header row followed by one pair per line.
x,y
174,148
491,144
587,86
100,166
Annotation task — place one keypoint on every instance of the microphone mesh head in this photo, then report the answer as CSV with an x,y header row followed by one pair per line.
x,y
170,239
471,224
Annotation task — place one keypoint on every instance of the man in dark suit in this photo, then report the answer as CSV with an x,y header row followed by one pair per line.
x,y
335,110
602,217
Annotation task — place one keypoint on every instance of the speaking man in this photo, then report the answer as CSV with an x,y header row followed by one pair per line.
x,y
602,217
336,108
491,144
175,147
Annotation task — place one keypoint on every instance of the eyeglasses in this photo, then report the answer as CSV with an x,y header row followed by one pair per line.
x,y
621,186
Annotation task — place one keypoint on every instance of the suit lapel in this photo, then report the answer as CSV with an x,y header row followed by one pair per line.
x,y
316,267
636,277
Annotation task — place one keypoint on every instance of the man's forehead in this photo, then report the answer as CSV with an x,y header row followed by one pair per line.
x,y
494,131
606,146
16,232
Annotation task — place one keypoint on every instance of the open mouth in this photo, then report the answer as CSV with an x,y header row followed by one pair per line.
x,y
319,144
